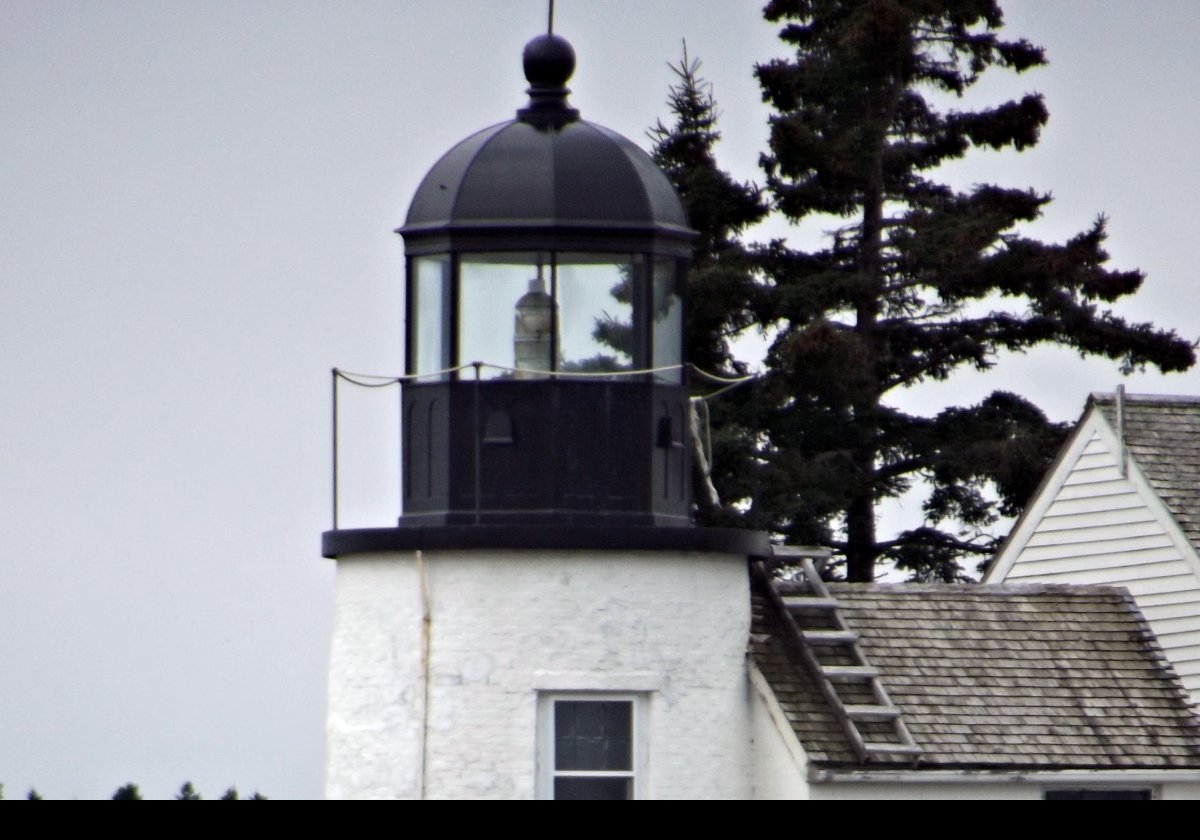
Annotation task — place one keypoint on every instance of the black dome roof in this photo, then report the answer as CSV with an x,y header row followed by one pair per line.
x,y
546,180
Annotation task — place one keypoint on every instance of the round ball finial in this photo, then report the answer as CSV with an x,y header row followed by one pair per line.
x,y
549,61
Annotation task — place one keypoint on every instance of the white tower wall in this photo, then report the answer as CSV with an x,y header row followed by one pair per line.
x,y
451,706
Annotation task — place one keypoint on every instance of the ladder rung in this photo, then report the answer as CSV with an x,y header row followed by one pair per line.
x,y
830,637
849,672
809,602
892,749
864,712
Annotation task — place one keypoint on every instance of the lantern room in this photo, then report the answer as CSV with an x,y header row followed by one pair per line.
x,y
546,261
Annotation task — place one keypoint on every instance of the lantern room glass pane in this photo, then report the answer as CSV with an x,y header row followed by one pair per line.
x,y
668,320
525,315
599,330
506,314
428,309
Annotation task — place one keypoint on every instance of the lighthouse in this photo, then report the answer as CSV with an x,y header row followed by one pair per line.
x,y
543,620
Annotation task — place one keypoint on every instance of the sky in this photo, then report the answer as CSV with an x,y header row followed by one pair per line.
x,y
196,212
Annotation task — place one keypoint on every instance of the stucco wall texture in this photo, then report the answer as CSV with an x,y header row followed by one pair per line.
x,y
668,629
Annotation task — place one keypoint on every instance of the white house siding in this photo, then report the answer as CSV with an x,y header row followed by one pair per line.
x,y
1180,790
1104,528
780,765
668,629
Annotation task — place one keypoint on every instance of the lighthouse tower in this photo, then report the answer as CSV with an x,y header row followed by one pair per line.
x,y
544,621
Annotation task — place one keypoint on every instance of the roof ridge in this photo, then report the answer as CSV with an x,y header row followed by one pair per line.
x,y
1109,397
1160,435
981,589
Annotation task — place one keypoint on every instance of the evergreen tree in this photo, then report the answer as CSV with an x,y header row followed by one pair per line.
x,y
130,791
188,793
232,794
127,792
722,288
918,281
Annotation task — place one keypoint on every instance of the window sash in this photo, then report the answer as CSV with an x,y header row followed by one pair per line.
x,y
547,772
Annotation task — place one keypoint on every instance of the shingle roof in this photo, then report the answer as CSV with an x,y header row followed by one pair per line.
x,y
998,677
1163,435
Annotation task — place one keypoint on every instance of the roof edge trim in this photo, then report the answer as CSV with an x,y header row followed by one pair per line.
x,y
1107,777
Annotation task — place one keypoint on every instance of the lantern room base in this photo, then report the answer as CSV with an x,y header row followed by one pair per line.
x,y
344,542
546,451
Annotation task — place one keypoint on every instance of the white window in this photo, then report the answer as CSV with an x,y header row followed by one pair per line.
x,y
588,746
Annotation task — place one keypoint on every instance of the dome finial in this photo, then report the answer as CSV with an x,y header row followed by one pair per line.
x,y
549,62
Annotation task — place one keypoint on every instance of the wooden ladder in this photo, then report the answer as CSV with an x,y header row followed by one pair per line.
x,y
807,601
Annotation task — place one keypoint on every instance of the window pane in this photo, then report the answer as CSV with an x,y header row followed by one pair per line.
x,y
575,787
593,735
505,313
596,313
668,321
431,347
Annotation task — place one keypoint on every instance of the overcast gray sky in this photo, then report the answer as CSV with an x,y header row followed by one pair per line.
x,y
195,225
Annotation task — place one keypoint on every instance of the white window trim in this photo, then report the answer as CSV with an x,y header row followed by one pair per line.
x,y
617,682
546,773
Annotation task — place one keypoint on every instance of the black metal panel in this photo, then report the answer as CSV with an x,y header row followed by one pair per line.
x,y
595,181
541,451
508,178
435,198
670,478
426,431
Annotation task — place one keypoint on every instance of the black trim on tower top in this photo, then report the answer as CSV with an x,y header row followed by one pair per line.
x,y
341,543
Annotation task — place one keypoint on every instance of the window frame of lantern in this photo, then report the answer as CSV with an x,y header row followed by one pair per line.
x,y
650,269
416,316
